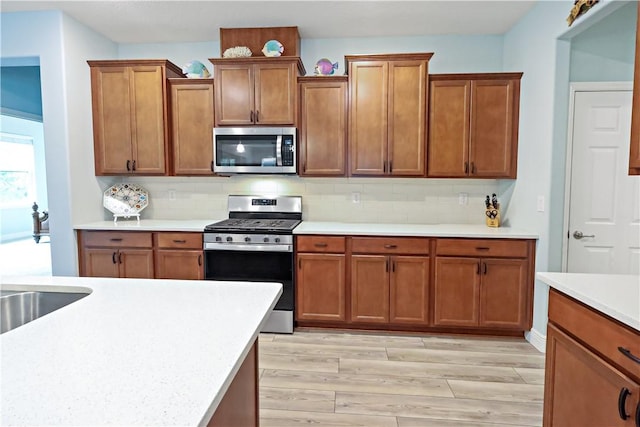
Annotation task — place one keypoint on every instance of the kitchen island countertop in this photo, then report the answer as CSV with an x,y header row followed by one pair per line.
x,y
616,295
133,352
479,231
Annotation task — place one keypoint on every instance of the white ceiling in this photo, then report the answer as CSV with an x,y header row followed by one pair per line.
x,y
143,21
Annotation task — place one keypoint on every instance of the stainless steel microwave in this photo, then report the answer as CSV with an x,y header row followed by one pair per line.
x,y
259,150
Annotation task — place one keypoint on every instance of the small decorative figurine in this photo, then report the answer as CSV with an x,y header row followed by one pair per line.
x,y
273,48
324,67
237,52
195,70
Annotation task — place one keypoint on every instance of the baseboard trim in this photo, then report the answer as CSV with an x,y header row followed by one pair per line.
x,y
538,340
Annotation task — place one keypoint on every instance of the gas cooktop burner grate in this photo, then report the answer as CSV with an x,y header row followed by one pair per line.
x,y
239,224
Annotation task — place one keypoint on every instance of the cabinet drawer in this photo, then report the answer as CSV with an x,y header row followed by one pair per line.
x,y
482,247
596,331
390,245
334,244
117,239
179,240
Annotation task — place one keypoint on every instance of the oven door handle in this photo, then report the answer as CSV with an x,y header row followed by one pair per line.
x,y
241,247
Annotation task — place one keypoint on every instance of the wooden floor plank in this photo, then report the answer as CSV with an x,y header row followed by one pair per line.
x,y
489,345
531,375
298,362
496,391
426,422
353,339
294,399
301,349
430,370
467,357
279,418
469,410
348,382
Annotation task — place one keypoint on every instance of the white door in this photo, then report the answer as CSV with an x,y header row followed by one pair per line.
x,y
604,207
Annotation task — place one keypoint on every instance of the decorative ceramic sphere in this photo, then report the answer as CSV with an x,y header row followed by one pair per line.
x,y
195,70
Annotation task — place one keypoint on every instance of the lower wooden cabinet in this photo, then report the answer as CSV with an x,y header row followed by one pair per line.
x,y
320,279
143,255
589,381
483,292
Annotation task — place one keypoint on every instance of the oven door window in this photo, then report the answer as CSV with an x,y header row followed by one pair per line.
x,y
253,267
243,150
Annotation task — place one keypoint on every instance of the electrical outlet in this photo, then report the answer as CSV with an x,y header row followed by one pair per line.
x,y
540,204
355,197
463,198
172,194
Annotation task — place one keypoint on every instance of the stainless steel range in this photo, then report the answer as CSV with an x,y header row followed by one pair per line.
x,y
256,244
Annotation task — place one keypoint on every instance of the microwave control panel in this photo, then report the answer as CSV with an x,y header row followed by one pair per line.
x,y
288,151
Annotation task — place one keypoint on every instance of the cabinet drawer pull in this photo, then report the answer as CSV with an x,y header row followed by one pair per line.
x,y
628,353
200,260
482,248
179,241
320,245
113,258
622,399
390,246
116,239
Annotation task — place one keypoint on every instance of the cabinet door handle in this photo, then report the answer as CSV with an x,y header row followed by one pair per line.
x,y
384,166
116,239
257,116
386,268
179,241
628,353
485,268
304,167
133,166
390,166
622,399
119,257
466,167
211,165
251,116
128,165
390,246
200,260
299,264
320,245
473,168
393,266
478,268
113,258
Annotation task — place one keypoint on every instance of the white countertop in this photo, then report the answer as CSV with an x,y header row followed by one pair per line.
x,y
617,296
148,225
417,230
133,352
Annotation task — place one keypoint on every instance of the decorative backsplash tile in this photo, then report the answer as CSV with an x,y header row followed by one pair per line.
x,y
383,200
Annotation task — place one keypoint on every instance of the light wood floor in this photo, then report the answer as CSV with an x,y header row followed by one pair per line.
x,y
369,380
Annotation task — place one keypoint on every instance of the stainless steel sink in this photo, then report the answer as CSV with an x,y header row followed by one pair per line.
x,y
20,307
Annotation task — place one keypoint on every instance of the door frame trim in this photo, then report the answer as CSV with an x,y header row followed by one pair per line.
x,y
574,88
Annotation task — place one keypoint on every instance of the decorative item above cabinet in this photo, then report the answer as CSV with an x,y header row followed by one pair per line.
x,y
130,124
473,125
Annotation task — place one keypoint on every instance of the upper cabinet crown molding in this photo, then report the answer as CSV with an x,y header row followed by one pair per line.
x,y
473,125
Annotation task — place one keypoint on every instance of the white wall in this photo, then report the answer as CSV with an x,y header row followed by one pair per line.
x,y
57,41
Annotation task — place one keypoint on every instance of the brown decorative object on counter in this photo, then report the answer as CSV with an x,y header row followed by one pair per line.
x,y
580,7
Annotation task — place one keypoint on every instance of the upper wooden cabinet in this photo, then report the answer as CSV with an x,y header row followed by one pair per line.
x,y
130,116
634,152
473,125
256,91
322,136
387,114
191,103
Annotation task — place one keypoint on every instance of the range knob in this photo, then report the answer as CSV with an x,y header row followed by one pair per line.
x,y
229,238
247,239
266,240
218,239
277,240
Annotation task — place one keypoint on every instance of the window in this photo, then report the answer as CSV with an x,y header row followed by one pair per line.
x,y
17,181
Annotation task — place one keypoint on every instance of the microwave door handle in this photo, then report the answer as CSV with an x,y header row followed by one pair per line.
x,y
279,150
